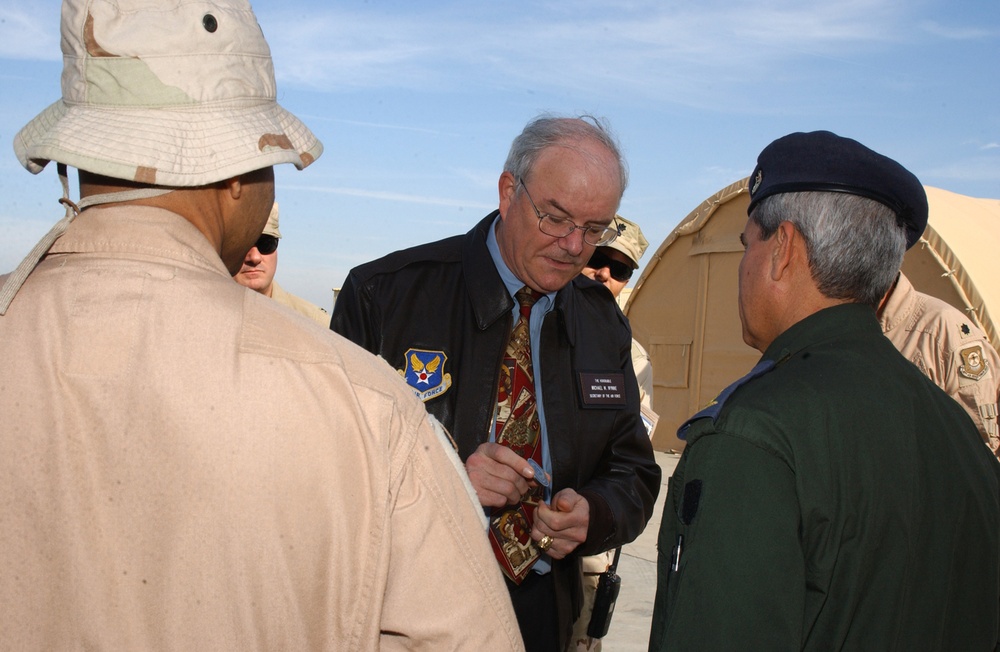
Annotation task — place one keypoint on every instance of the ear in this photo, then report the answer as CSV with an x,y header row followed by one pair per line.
x,y
786,239
506,187
234,187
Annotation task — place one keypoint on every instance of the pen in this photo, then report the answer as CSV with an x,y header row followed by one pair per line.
x,y
675,557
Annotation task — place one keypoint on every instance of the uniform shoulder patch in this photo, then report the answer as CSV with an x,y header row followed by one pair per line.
x,y
712,410
974,366
424,372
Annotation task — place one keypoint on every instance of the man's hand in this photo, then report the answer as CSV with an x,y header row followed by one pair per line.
x,y
499,475
566,521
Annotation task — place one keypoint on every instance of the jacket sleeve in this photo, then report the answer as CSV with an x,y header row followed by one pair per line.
x,y
444,589
974,388
741,572
355,316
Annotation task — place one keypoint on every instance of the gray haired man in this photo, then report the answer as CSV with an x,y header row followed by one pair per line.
x,y
527,364
835,497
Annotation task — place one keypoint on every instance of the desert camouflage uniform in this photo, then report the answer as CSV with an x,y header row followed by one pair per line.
x,y
949,348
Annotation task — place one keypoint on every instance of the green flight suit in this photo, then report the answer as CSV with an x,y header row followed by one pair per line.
x,y
838,501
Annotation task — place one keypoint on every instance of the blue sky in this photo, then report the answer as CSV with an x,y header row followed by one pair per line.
x,y
417,102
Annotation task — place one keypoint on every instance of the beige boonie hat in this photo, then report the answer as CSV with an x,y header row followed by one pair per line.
x,y
271,228
630,240
170,93
165,92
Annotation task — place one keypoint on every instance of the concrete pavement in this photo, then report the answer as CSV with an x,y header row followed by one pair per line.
x,y
629,631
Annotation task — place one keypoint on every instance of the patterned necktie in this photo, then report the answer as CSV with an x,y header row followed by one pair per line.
x,y
517,427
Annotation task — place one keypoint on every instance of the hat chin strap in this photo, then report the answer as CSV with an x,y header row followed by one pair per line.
x,y
17,278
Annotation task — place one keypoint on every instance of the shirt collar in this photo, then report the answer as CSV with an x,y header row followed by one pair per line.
x,y
510,281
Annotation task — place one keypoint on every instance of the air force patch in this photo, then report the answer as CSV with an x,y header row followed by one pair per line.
x,y
973,366
424,373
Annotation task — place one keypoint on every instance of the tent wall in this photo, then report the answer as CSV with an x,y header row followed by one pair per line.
x,y
683,308
957,259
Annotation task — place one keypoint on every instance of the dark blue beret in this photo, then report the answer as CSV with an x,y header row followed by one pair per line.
x,y
824,161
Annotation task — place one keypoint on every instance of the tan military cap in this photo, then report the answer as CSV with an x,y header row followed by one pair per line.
x,y
271,228
630,240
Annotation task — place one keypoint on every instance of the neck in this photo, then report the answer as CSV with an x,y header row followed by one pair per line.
x,y
193,204
886,297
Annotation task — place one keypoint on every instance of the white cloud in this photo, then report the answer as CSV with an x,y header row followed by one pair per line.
x,y
376,125
660,51
957,32
392,196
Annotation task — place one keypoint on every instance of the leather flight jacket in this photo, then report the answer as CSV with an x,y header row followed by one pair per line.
x,y
446,301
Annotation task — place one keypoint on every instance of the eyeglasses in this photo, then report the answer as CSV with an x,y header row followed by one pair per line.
x,y
266,244
619,271
562,227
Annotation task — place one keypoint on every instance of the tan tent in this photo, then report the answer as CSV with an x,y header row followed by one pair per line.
x,y
683,308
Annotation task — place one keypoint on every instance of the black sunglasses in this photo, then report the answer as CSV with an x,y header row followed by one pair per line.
x,y
619,271
266,244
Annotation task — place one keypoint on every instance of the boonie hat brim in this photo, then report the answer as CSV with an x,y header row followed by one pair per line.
x,y
172,93
171,147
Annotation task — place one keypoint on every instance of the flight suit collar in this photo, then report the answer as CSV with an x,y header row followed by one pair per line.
x,y
827,324
900,304
139,230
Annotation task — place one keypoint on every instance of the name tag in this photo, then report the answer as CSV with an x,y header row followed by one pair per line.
x,y
602,389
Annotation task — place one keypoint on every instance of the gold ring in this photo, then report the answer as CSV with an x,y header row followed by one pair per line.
x,y
545,543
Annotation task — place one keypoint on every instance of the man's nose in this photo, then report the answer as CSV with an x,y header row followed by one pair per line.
x,y
253,257
573,243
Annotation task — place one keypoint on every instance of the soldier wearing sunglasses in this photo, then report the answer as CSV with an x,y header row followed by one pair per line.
x,y
613,264
259,266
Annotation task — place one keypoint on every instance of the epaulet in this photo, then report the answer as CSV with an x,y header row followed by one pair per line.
x,y
712,410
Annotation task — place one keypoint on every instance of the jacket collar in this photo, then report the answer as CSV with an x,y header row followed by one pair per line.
x,y
139,231
828,324
487,293
900,305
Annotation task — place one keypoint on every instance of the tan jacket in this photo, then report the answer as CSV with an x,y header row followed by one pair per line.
x,y
949,348
187,466
644,377
643,373
299,305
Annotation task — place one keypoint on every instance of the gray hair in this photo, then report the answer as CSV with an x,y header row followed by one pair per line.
x,y
855,245
546,131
